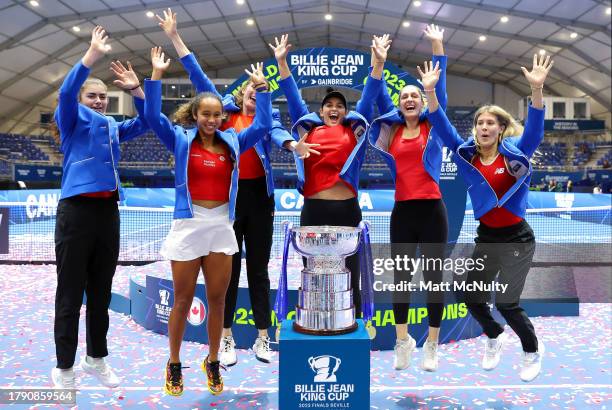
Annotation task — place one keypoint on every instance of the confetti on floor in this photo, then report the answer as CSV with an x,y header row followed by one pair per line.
x,y
577,369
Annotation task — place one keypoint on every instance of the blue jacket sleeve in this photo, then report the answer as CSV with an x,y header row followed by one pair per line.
x,y
533,134
134,127
262,123
68,99
365,105
278,133
297,106
197,76
441,85
384,101
159,123
447,132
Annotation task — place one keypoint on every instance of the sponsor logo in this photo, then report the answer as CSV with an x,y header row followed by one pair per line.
x,y
499,171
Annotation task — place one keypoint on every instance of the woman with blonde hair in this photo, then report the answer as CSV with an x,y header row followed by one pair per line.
x,y
201,236
495,163
87,222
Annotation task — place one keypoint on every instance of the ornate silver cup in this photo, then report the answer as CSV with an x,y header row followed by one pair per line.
x,y
325,298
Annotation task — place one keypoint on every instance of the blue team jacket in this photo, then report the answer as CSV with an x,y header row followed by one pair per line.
x,y
178,140
384,127
277,134
517,152
90,140
303,122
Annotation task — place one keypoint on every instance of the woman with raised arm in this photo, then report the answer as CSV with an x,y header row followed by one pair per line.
x,y
87,222
201,236
254,221
329,180
495,164
412,150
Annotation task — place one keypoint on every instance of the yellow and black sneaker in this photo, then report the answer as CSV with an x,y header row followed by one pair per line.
x,y
174,379
213,374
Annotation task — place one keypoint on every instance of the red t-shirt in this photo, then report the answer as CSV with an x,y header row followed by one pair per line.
x,y
412,181
501,181
250,165
101,194
209,174
323,171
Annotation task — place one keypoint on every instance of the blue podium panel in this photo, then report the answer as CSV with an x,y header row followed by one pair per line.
x,y
324,371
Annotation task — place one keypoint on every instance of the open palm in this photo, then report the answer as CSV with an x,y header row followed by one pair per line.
x,y
168,23
281,48
539,71
126,77
429,75
158,60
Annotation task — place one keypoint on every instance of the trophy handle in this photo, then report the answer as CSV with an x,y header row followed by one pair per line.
x,y
311,362
338,361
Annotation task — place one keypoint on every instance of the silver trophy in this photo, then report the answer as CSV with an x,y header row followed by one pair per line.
x,y
325,298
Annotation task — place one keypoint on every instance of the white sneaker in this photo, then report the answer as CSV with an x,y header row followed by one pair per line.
x,y
430,357
63,378
493,350
227,353
262,350
532,363
403,352
98,368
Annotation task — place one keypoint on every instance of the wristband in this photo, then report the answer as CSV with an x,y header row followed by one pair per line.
x,y
257,86
429,91
132,89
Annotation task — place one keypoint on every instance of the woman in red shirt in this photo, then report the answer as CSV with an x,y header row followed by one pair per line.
x,y
329,179
413,152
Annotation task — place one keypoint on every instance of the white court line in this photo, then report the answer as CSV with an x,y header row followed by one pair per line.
x,y
524,386
142,388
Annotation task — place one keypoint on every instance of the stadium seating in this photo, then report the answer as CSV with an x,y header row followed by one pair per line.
x,y
16,147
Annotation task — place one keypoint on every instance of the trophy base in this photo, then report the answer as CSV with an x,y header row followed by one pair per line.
x,y
324,332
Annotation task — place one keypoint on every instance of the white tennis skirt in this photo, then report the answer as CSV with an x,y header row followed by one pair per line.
x,y
210,230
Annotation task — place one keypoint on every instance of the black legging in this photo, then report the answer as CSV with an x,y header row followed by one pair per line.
x,y
86,253
509,251
253,225
425,222
337,213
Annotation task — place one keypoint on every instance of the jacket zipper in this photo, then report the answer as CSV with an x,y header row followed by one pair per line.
x,y
472,165
519,185
110,145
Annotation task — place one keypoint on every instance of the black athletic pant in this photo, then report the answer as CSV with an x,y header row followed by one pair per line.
x,y
254,226
337,213
508,251
86,253
425,222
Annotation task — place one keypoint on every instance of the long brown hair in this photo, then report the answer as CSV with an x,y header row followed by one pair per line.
x,y
186,113
53,125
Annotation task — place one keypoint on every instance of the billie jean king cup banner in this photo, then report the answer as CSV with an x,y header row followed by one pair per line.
x,y
330,67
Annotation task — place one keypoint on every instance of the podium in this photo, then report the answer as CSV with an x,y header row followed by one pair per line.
x,y
324,371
